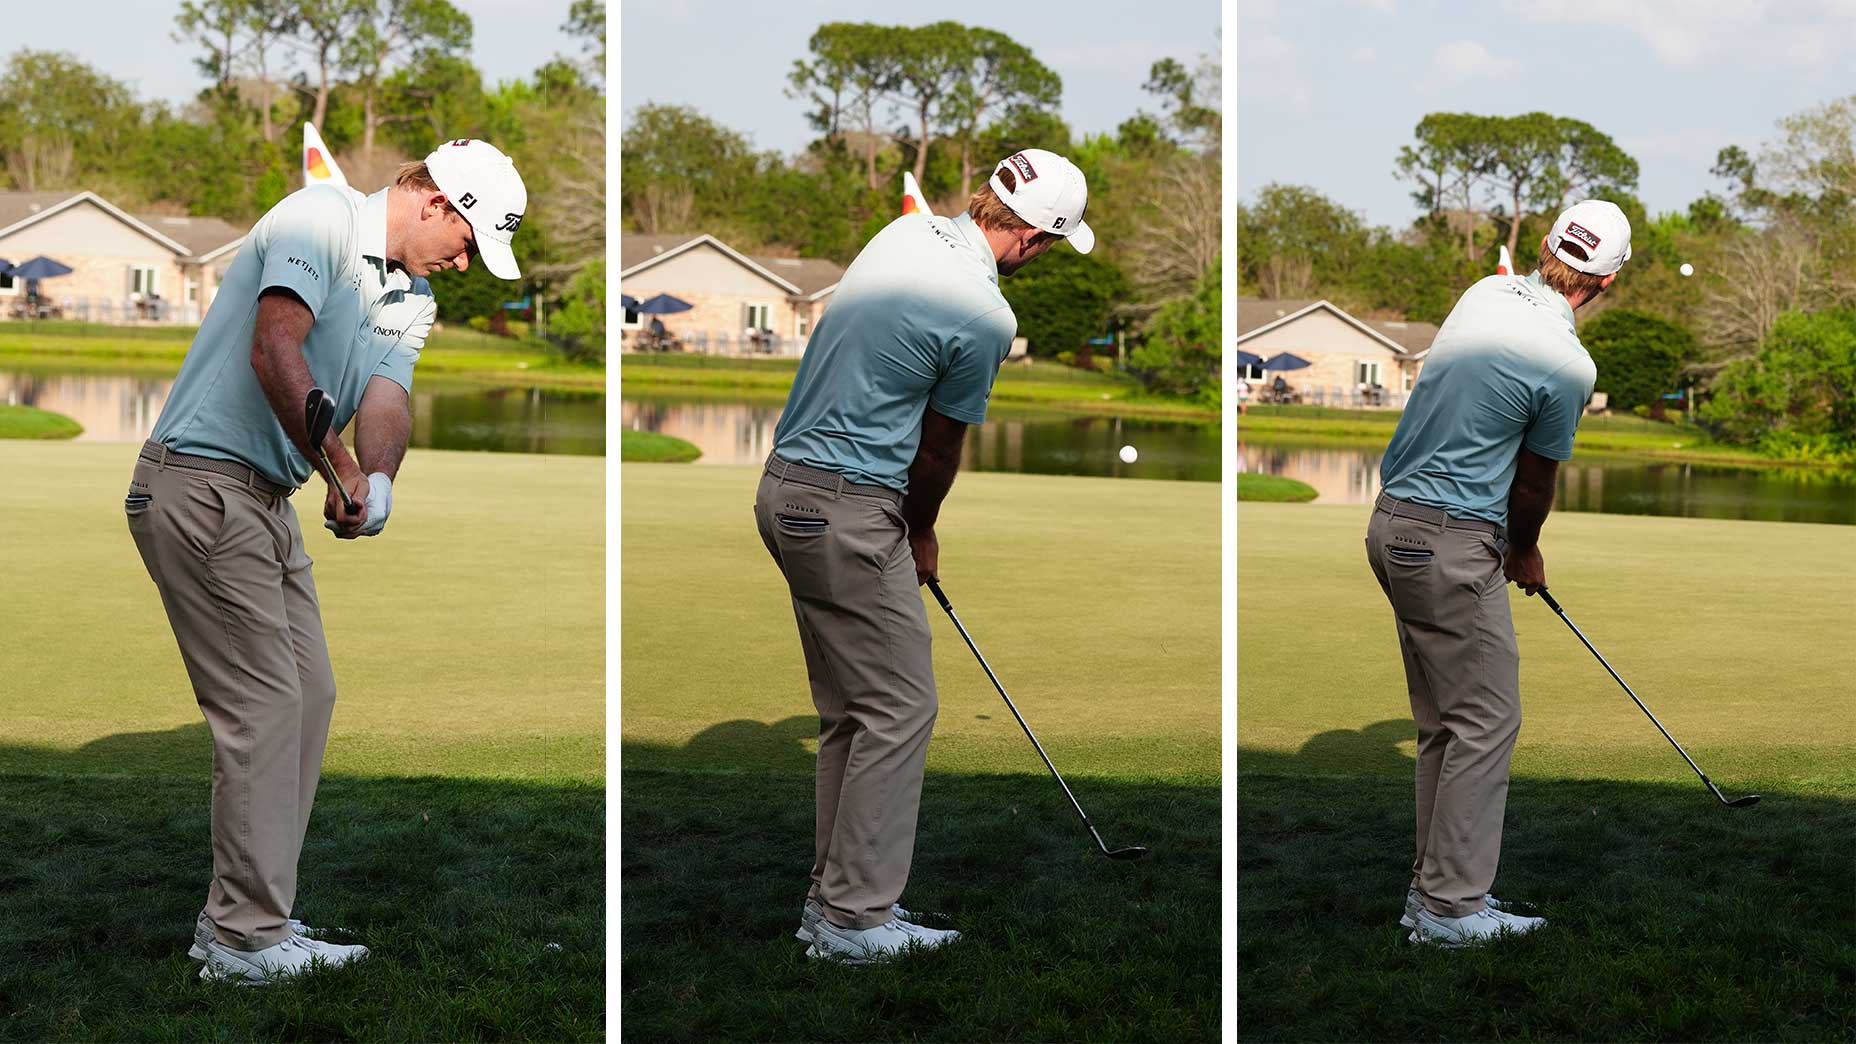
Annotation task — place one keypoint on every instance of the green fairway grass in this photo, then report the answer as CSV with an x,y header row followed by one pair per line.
x,y
26,422
1097,601
1040,384
467,641
1276,488
1669,917
452,352
650,447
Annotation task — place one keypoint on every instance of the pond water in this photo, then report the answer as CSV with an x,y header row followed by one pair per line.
x,y
446,414
1028,441
1615,485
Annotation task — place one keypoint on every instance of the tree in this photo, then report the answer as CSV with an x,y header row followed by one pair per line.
x,y
1193,100
853,68
1639,356
1294,241
1062,299
51,104
929,65
1001,75
586,19
321,27
215,26
1797,396
391,32
1183,346
1451,159
682,169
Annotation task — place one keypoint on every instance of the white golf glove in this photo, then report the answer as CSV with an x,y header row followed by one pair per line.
x,y
379,504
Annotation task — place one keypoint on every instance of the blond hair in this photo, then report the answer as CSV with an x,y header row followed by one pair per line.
x,y
1563,277
989,211
415,176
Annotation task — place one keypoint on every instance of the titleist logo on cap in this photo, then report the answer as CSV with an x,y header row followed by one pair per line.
x,y
1582,234
1023,165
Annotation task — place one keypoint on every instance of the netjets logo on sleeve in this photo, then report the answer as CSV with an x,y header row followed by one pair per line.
x,y
1582,234
305,266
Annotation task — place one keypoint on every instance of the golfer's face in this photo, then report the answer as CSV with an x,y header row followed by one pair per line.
x,y
1028,249
449,244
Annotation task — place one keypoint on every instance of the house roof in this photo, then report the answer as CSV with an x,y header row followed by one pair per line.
x,y
808,277
1255,315
187,236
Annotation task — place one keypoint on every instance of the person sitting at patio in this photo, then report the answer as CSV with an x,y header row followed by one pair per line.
x,y
1280,389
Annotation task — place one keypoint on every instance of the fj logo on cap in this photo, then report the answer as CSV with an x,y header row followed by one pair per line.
x,y
1582,234
1025,171
467,201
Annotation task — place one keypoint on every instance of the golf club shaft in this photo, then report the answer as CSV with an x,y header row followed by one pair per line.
x,y
935,587
1555,606
329,469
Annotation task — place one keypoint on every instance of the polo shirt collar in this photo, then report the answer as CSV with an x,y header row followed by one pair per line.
x,y
1546,293
373,231
976,241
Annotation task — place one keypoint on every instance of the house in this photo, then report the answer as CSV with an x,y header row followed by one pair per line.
x,y
742,303
124,267
1348,356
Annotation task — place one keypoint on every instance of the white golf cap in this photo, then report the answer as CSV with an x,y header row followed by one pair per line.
x,y
1049,193
483,185
1598,231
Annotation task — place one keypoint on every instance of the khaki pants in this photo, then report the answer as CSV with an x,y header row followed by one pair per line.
x,y
844,551
1444,579
228,558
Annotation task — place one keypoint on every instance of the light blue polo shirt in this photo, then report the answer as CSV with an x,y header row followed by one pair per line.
x,y
917,321
327,244
1505,371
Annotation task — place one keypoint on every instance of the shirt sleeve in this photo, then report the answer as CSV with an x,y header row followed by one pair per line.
x,y
974,354
397,366
1558,403
305,240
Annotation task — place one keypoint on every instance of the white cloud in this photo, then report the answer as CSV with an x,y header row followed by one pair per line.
x,y
1686,34
1465,60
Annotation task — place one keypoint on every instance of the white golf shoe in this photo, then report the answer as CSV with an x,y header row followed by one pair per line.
x,y
812,913
888,940
1480,927
1413,904
293,956
203,934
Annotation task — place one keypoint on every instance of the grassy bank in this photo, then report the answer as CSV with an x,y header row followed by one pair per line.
x,y
1669,918
1621,434
649,447
26,422
459,830
1268,488
1041,384
1107,640
454,351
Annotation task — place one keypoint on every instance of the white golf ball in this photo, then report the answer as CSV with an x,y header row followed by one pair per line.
x,y
1687,269
1128,455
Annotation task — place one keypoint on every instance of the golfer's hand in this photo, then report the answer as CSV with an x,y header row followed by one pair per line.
x,y
340,522
927,550
1526,568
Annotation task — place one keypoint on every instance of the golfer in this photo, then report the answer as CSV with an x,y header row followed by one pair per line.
x,y
1466,483
898,367
328,290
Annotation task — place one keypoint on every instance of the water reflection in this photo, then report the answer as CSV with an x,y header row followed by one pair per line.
x,y
1615,485
446,414
1034,442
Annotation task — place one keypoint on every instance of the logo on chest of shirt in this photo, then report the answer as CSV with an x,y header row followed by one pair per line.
x,y
305,266
381,331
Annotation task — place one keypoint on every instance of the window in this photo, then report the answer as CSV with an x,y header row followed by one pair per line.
x,y
802,323
193,291
1366,373
9,286
632,319
142,280
756,316
1253,372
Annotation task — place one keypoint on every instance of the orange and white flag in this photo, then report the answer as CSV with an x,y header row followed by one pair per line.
x,y
913,202
1505,264
319,166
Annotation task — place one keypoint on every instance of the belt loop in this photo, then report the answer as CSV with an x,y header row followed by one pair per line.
x,y
161,461
838,493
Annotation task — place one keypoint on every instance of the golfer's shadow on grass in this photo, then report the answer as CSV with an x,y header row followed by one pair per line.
x,y
1378,749
787,744
185,750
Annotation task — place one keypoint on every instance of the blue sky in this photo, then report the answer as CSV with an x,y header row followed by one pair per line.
x,y
131,40
1328,90
729,58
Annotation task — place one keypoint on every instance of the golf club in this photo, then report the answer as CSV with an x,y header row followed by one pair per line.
x,y
1132,852
1739,802
319,410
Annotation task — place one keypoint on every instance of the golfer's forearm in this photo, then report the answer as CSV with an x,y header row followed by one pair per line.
x,y
931,475
1528,505
383,427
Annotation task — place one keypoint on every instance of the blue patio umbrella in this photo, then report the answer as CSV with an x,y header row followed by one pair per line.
x,y
1285,361
6,267
628,302
664,304
40,268
1244,358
